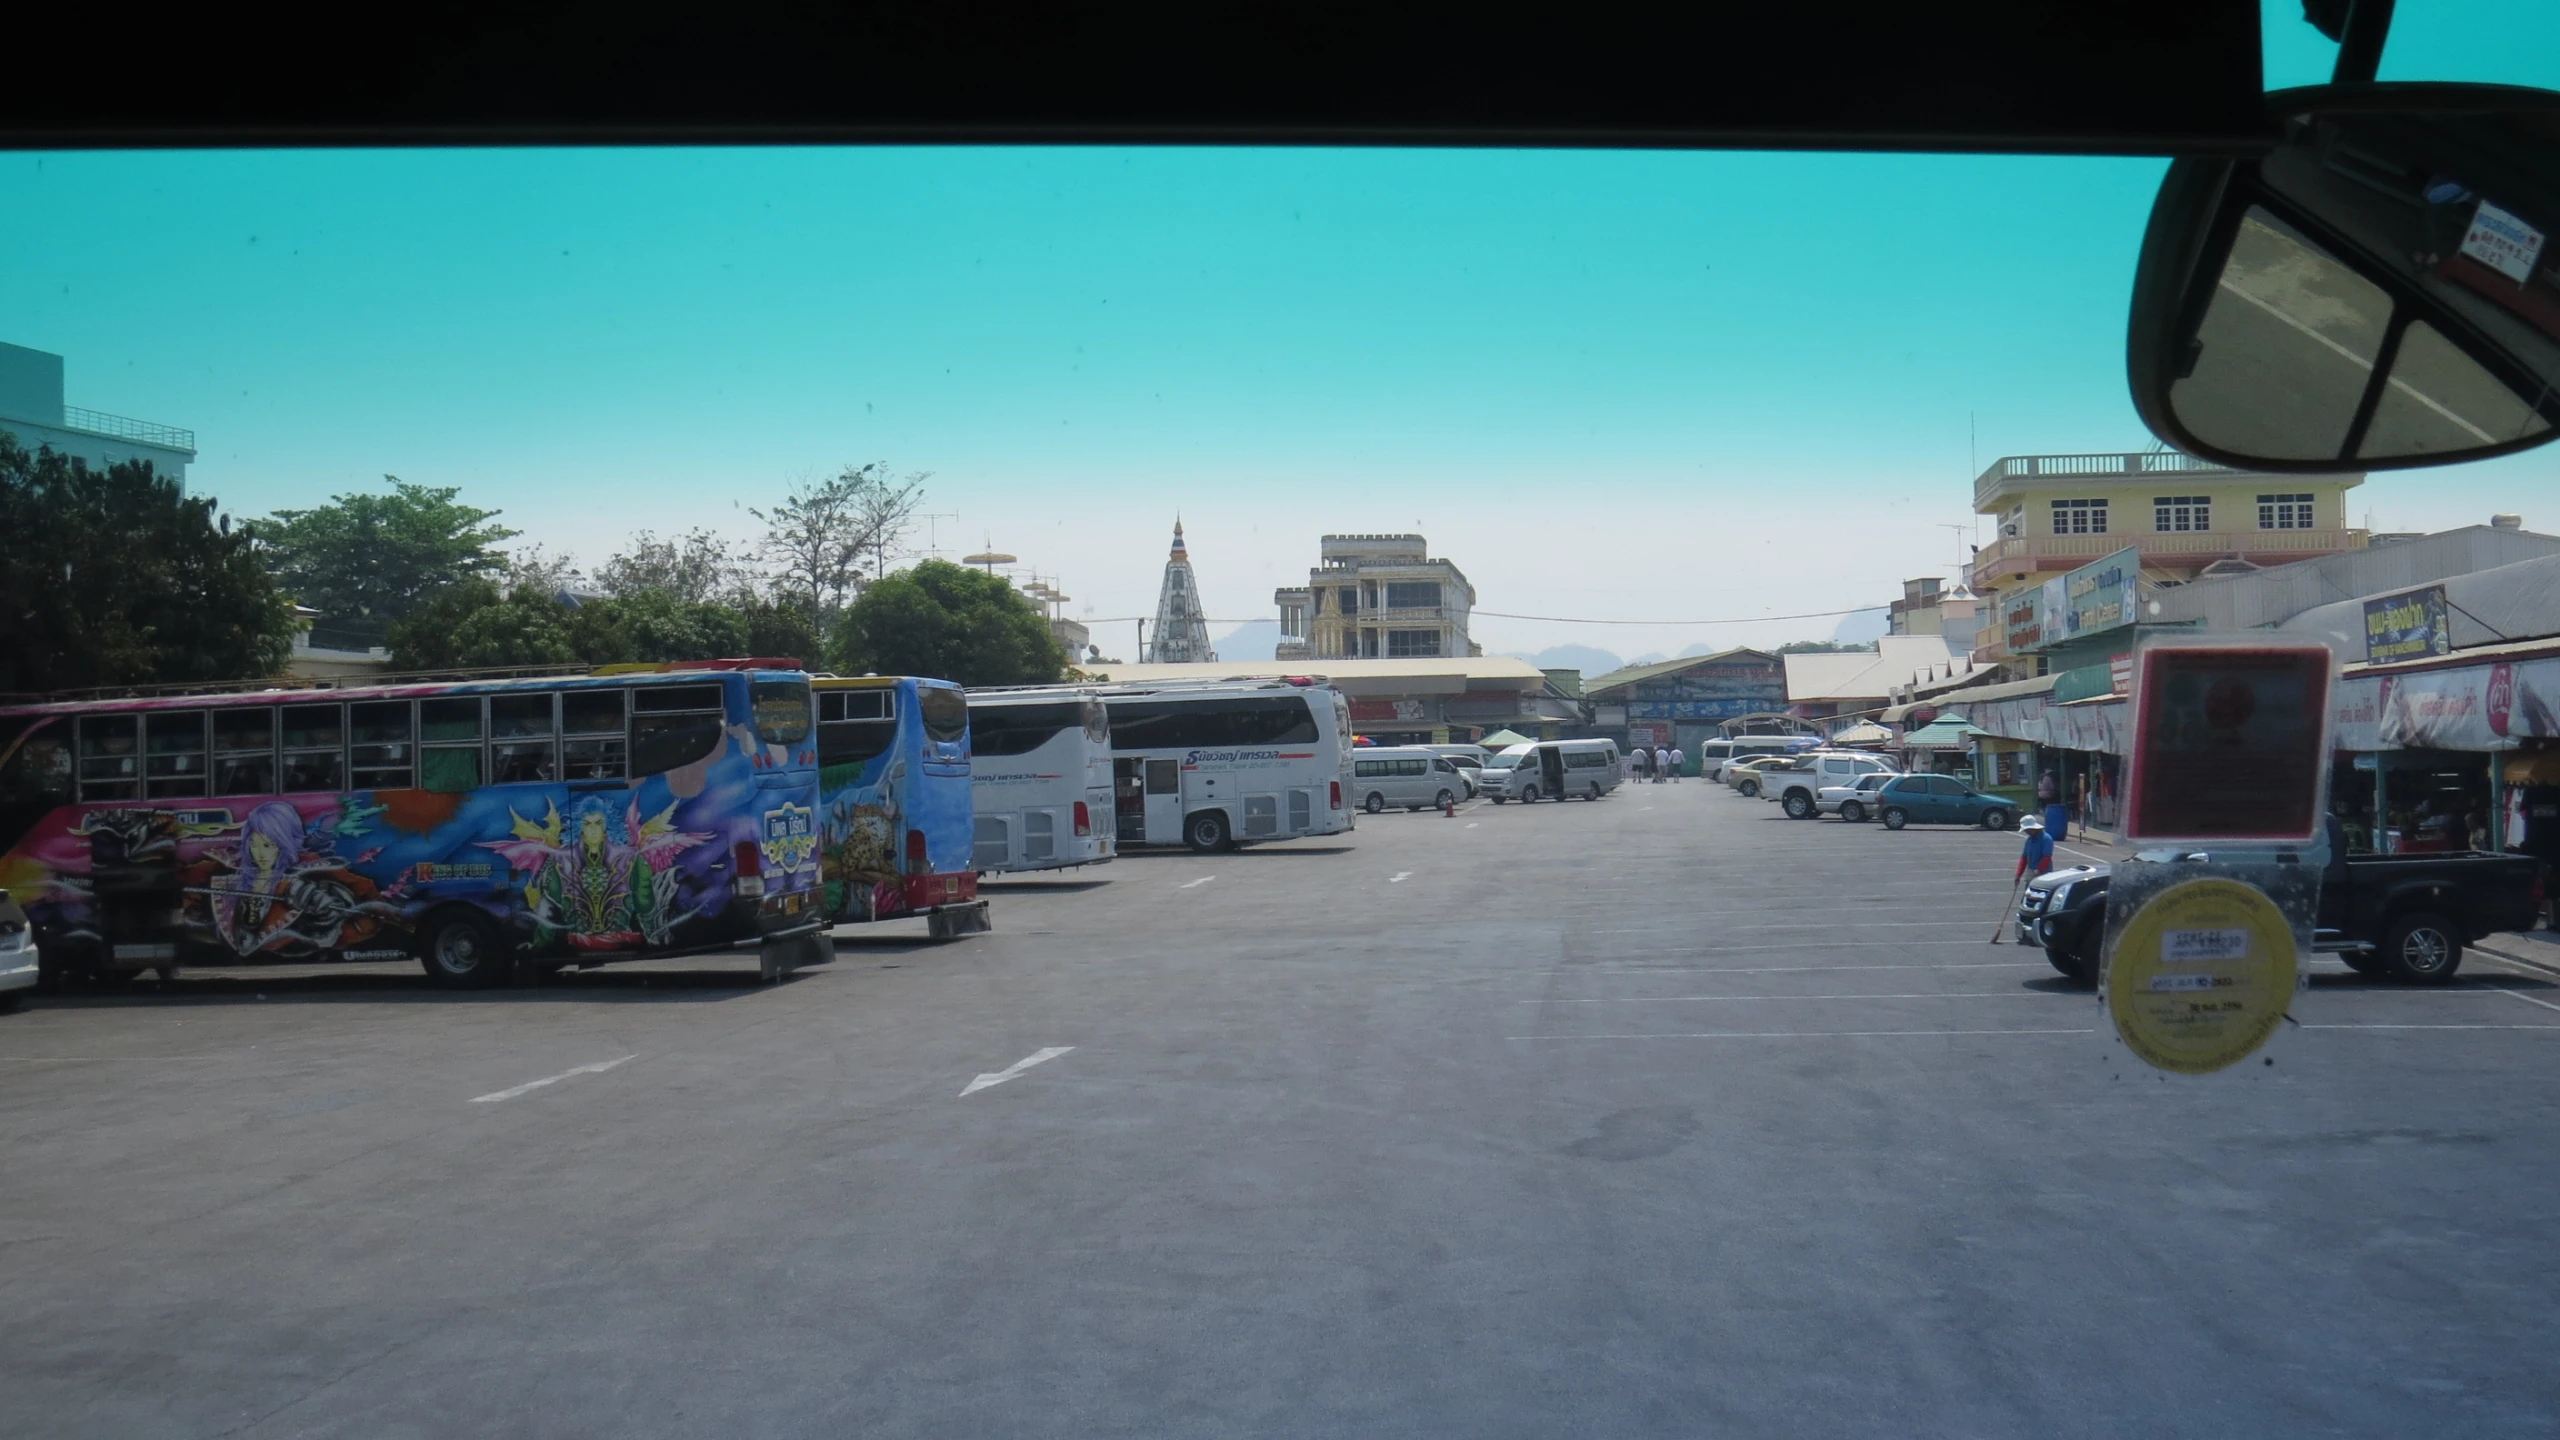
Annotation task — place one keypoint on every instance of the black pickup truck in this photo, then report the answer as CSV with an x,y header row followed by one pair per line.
x,y
2404,916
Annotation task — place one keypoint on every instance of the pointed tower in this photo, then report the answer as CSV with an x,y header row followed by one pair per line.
x,y
1181,631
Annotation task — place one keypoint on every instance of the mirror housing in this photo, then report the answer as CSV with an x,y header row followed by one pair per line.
x,y
2378,290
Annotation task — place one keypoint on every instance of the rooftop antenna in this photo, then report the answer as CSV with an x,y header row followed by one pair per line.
x,y
928,518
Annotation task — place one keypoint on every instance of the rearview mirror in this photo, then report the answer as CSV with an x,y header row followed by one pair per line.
x,y
2377,290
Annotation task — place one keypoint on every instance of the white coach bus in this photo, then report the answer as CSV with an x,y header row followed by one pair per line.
x,y
1211,764
1039,779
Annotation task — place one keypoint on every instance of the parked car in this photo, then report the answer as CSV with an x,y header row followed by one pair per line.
x,y
1408,775
2403,916
18,970
1744,775
1854,801
1940,800
1714,755
1553,770
1796,783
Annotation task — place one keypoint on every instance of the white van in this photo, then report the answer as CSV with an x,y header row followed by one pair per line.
x,y
1408,775
1553,770
1714,755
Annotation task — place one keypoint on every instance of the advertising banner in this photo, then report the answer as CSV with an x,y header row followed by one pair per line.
x,y
2022,619
2407,626
2099,596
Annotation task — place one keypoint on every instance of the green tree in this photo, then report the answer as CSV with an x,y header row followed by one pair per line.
x,y
779,629
655,625
474,625
948,621
367,560
117,577
818,539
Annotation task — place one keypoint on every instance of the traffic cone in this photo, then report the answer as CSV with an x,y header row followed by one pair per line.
x,y
1449,808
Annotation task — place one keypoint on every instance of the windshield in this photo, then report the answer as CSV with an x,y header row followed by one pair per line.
x,y
457,600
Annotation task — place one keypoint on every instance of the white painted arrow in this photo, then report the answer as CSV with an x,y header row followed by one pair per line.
x,y
1041,1057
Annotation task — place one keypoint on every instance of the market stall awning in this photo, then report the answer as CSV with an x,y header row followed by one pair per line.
x,y
1941,735
1500,738
1865,732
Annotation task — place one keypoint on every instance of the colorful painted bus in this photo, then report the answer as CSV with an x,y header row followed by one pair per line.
x,y
894,809
487,828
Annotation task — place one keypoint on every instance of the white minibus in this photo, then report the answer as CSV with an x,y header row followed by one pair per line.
x,y
1553,770
1408,775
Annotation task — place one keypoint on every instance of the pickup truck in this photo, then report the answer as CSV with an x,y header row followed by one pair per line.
x,y
2403,916
1796,783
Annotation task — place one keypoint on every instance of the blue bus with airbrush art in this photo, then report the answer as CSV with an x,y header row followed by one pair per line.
x,y
896,818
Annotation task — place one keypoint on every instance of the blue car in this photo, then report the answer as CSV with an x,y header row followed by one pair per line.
x,y
1939,800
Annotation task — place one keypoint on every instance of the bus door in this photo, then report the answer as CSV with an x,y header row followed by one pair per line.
x,y
1551,771
1129,799
1164,801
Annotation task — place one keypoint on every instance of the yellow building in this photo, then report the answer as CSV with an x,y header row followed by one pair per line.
x,y
2059,512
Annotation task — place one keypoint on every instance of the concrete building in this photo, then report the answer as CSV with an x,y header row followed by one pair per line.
x,y
32,409
2183,515
1823,685
1689,700
1376,597
1425,700
1926,609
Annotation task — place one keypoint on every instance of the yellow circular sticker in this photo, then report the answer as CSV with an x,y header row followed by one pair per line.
x,y
2201,975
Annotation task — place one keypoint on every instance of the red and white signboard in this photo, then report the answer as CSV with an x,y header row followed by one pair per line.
x,y
2230,743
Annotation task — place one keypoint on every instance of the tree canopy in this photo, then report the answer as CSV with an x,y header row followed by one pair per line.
x,y
948,621
365,560
116,576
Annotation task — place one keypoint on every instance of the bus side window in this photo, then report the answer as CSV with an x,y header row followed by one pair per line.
x,y
173,763
39,773
315,754
675,725
378,750
522,739
110,757
449,732
244,751
593,744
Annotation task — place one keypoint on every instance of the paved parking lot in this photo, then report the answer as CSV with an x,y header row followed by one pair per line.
x,y
1662,1115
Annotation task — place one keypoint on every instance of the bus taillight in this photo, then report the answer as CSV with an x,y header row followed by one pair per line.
x,y
750,864
915,852
1084,819
1337,794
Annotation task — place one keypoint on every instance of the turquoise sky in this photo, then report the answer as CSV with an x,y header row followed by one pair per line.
x,y
1656,385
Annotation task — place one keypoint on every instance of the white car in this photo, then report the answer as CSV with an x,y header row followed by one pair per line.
x,y
18,970
1854,801
1796,787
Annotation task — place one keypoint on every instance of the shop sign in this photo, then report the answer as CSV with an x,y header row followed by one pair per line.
x,y
1394,712
2099,596
2119,674
2230,742
2407,626
2022,617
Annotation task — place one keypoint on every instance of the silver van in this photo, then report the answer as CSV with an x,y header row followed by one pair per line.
x,y
1553,770
1412,776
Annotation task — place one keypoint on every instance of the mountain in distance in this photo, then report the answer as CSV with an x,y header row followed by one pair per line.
x,y
1863,627
1254,640
1589,659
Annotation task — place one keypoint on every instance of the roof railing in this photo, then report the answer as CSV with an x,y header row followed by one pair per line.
x,y
125,427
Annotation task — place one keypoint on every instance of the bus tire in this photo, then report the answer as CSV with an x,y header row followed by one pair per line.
x,y
461,949
1375,804
1594,792
1529,795
1206,832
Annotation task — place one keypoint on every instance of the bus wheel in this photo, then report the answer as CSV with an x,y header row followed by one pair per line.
x,y
1595,793
1529,796
461,950
1206,832
1375,803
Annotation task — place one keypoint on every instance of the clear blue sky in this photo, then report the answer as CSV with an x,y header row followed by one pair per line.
x,y
1605,384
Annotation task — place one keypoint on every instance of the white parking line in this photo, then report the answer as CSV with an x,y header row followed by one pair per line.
x,y
1814,1034
1660,999
1800,969
1037,1057
1471,824
1398,877
2529,1000
2554,1028
512,1092
1188,884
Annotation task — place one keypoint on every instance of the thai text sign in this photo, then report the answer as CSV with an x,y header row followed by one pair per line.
x,y
2230,743
2407,626
2099,596
2022,619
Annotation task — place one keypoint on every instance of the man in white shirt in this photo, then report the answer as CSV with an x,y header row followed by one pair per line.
x,y
1661,763
1676,761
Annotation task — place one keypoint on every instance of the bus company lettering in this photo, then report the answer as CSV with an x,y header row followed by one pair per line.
x,y
429,871
1193,759
790,839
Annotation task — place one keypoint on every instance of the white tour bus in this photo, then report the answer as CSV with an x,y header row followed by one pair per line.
x,y
1210,764
1039,779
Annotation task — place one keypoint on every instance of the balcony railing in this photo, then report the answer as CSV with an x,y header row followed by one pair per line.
x,y
1997,561
2088,467
121,427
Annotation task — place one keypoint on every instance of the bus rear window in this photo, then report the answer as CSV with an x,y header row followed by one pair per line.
x,y
946,714
782,711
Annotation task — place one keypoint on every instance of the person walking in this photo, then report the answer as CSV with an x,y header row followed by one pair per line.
x,y
1661,763
1677,760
